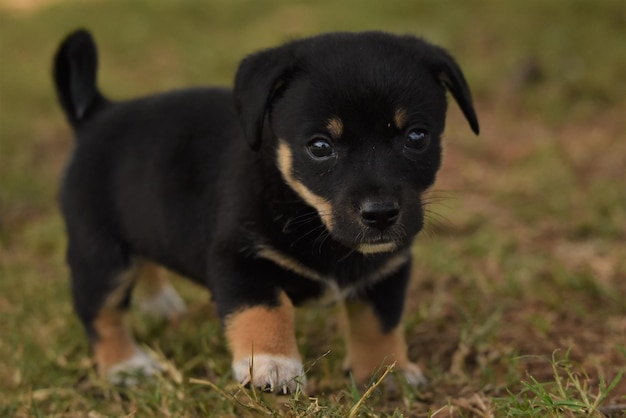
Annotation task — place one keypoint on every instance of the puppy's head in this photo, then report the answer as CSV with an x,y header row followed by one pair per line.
x,y
354,121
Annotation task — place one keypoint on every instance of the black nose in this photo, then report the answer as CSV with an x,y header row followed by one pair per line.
x,y
381,215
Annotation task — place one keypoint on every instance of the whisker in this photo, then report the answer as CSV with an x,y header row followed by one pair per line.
x,y
358,238
301,220
434,214
438,197
301,237
435,223
321,239
348,254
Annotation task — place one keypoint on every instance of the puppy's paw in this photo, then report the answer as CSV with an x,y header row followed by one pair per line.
x,y
130,371
413,374
270,373
410,372
166,304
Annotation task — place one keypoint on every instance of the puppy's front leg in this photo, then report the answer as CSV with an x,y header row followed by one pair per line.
x,y
374,334
263,344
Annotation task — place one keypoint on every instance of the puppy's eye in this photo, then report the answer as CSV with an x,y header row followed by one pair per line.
x,y
320,148
417,140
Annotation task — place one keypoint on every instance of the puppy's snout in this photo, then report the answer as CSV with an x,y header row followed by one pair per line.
x,y
379,214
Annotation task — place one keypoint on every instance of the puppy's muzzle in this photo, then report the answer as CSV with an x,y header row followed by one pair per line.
x,y
379,214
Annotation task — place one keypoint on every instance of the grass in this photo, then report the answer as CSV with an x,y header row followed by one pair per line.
x,y
567,395
518,303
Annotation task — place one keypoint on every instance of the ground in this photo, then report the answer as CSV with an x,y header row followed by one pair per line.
x,y
517,306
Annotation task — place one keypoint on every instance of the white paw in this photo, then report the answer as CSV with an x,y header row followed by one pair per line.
x,y
165,304
270,372
130,371
413,375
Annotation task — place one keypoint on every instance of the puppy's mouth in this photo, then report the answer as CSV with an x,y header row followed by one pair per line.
x,y
377,248
380,228
368,241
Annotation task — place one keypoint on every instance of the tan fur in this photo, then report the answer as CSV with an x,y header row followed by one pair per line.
x,y
391,266
288,263
123,283
368,347
263,330
285,165
400,118
152,280
377,248
114,341
335,127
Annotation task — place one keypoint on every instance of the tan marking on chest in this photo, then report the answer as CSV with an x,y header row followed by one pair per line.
x,y
289,263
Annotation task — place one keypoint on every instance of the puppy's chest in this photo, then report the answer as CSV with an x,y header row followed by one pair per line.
x,y
329,277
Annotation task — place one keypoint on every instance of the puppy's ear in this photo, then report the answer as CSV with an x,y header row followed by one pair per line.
x,y
258,79
449,73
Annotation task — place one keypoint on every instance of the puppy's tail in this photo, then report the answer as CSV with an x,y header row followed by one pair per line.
x,y
75,70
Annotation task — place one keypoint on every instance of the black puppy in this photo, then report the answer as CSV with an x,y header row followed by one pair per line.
x,y
307,178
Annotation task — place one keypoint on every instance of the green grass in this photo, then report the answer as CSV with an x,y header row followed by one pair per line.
x,y
518,303
567,395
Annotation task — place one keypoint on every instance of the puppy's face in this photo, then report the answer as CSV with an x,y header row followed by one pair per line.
x,y
355,122
361,151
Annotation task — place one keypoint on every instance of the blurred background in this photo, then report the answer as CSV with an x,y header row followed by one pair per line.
x,y
524,255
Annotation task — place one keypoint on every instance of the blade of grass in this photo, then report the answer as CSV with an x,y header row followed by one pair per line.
x,y
355,409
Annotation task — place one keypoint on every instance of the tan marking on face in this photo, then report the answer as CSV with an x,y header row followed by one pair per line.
x,y
288,263
285,165
400,118
114,341
335,127
369,349
263,330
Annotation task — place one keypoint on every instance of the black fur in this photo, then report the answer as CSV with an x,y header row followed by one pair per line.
x,y
172,178
75,71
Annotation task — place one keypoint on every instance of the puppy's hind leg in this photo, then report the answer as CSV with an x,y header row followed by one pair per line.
x,y
102,281
157,297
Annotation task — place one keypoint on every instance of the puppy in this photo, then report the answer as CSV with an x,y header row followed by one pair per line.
x,y
306,178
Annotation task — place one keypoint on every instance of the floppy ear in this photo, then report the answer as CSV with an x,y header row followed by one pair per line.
x,y
450,75
258,78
